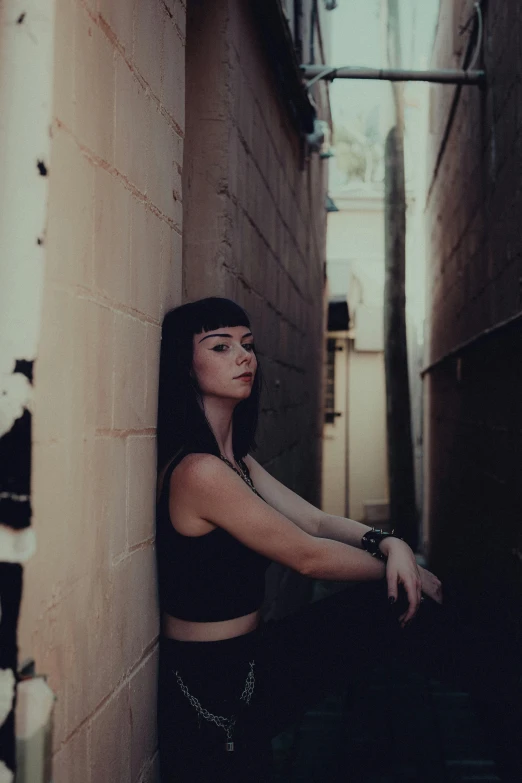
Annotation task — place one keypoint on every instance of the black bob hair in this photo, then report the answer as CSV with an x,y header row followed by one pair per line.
x,y
182,423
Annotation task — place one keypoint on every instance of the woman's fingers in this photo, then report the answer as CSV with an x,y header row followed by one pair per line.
x,y
391,576
431,585
402,568
412,587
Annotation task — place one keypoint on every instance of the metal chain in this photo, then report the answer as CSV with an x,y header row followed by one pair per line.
x,y
227,724
246,478
248,690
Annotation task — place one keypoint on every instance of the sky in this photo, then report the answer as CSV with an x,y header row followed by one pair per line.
x,y
356,39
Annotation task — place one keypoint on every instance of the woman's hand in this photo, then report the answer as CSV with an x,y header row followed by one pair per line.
x,y
430,585
402,568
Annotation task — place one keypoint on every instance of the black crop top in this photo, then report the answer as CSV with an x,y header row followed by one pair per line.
x,y
205,578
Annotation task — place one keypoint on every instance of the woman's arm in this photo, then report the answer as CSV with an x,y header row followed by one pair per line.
x,y
402,567
307,516
202,486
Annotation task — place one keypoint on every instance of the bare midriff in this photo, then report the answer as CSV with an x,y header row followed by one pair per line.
x,y
189,631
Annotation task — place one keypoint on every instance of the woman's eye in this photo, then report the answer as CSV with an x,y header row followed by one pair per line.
x,y
220,348
249,347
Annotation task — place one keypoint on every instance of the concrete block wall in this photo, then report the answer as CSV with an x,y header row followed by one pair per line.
x,y
255,227
475,284
113,240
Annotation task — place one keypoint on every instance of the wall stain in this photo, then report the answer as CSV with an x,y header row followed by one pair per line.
x,y
15,474
24,367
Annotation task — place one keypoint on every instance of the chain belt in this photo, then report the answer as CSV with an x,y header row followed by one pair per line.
x,y
227,724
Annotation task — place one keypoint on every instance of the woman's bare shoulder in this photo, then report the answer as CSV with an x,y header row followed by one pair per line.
x,y
189,467
197,468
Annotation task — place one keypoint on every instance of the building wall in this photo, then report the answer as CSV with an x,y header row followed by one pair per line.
x,y
367,462
355,249
336,436
255,228
473,389
113,265
355,468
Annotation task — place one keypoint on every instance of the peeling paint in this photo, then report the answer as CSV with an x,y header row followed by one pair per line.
x,y
34,707
26,90
25,367
15,474
7,691
15,397
6,776
34,710
16,546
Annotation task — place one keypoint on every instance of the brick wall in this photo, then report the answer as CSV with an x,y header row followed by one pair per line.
x,y
255,227
113,243
475,284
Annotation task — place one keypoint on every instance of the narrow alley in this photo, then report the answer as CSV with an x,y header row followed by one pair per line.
x,y
345,176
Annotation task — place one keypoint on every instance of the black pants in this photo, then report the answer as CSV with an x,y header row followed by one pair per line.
x,y
298,660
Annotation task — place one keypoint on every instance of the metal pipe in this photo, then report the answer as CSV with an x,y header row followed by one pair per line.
x,y
449,76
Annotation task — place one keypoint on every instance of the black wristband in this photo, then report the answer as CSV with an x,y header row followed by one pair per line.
x,y
371,540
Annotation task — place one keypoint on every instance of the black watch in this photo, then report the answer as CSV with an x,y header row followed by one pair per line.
x,y
371,540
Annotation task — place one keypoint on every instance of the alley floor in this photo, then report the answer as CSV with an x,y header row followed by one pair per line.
x,y
401,728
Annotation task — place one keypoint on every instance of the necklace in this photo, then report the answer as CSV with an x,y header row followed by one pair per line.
x,y
242,473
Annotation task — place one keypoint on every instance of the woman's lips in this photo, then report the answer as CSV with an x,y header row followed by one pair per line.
x,y
247,376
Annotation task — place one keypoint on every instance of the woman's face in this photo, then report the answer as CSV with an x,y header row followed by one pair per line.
x,y
224,362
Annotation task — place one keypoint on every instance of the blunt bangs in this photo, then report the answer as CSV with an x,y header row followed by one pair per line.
x,y
213,313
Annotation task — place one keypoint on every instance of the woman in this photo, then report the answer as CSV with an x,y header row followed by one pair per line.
x,y
228,682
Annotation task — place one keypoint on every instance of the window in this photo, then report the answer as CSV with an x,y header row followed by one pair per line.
x,y
329,397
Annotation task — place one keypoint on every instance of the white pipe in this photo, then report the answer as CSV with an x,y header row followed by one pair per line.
x,y
450,76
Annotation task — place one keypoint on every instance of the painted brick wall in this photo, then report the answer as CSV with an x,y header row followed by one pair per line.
x,y
255,227
475,284
113,241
